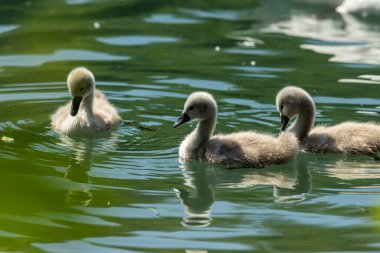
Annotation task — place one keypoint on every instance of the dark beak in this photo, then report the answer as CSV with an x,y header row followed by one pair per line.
x,y
75,105
181,120
284,122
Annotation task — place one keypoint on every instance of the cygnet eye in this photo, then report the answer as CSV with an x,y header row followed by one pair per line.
x,y
191,108
281,107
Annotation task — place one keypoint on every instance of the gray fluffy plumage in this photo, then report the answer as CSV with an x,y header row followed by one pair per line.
x,y
348,137
242,149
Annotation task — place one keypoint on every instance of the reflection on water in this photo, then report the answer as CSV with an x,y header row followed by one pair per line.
x,y
357,43
81,159
364,8
198,201
290,184
349,170
114,193
349,39
80,164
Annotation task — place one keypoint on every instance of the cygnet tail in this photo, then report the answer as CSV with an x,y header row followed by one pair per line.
x,y
287,147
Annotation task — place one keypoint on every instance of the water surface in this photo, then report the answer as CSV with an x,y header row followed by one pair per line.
x,y
126,191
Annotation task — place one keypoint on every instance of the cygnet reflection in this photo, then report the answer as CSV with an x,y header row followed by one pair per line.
x,y
198,201
81,156
80,164
290,182
348,169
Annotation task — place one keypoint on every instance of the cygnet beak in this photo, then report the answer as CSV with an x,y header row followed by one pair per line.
x,y
181,120
75,105
284,122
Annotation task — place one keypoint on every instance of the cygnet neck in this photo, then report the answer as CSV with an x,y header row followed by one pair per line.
x,y
305,119
204,130
87,104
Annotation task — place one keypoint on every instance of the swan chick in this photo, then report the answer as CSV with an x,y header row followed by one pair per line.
x,y
241,149
348,137
89,112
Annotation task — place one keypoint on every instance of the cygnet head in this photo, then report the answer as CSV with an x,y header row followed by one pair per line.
x,y
199,106
290,102
81,83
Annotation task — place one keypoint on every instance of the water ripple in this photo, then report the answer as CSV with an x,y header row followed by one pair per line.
x,y
30,60
259,72
254,52
213,14
170,19
200,83
136,40
120,212
347,101
7,28
165,241
78,247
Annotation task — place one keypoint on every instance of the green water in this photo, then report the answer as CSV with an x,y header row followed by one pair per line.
x,y
126,191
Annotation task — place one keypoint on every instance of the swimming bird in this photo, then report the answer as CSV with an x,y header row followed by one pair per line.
x,y
89,112
242,149
348,137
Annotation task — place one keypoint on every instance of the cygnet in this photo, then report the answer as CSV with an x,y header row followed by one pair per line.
x,y
89,112
348,137
242,149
